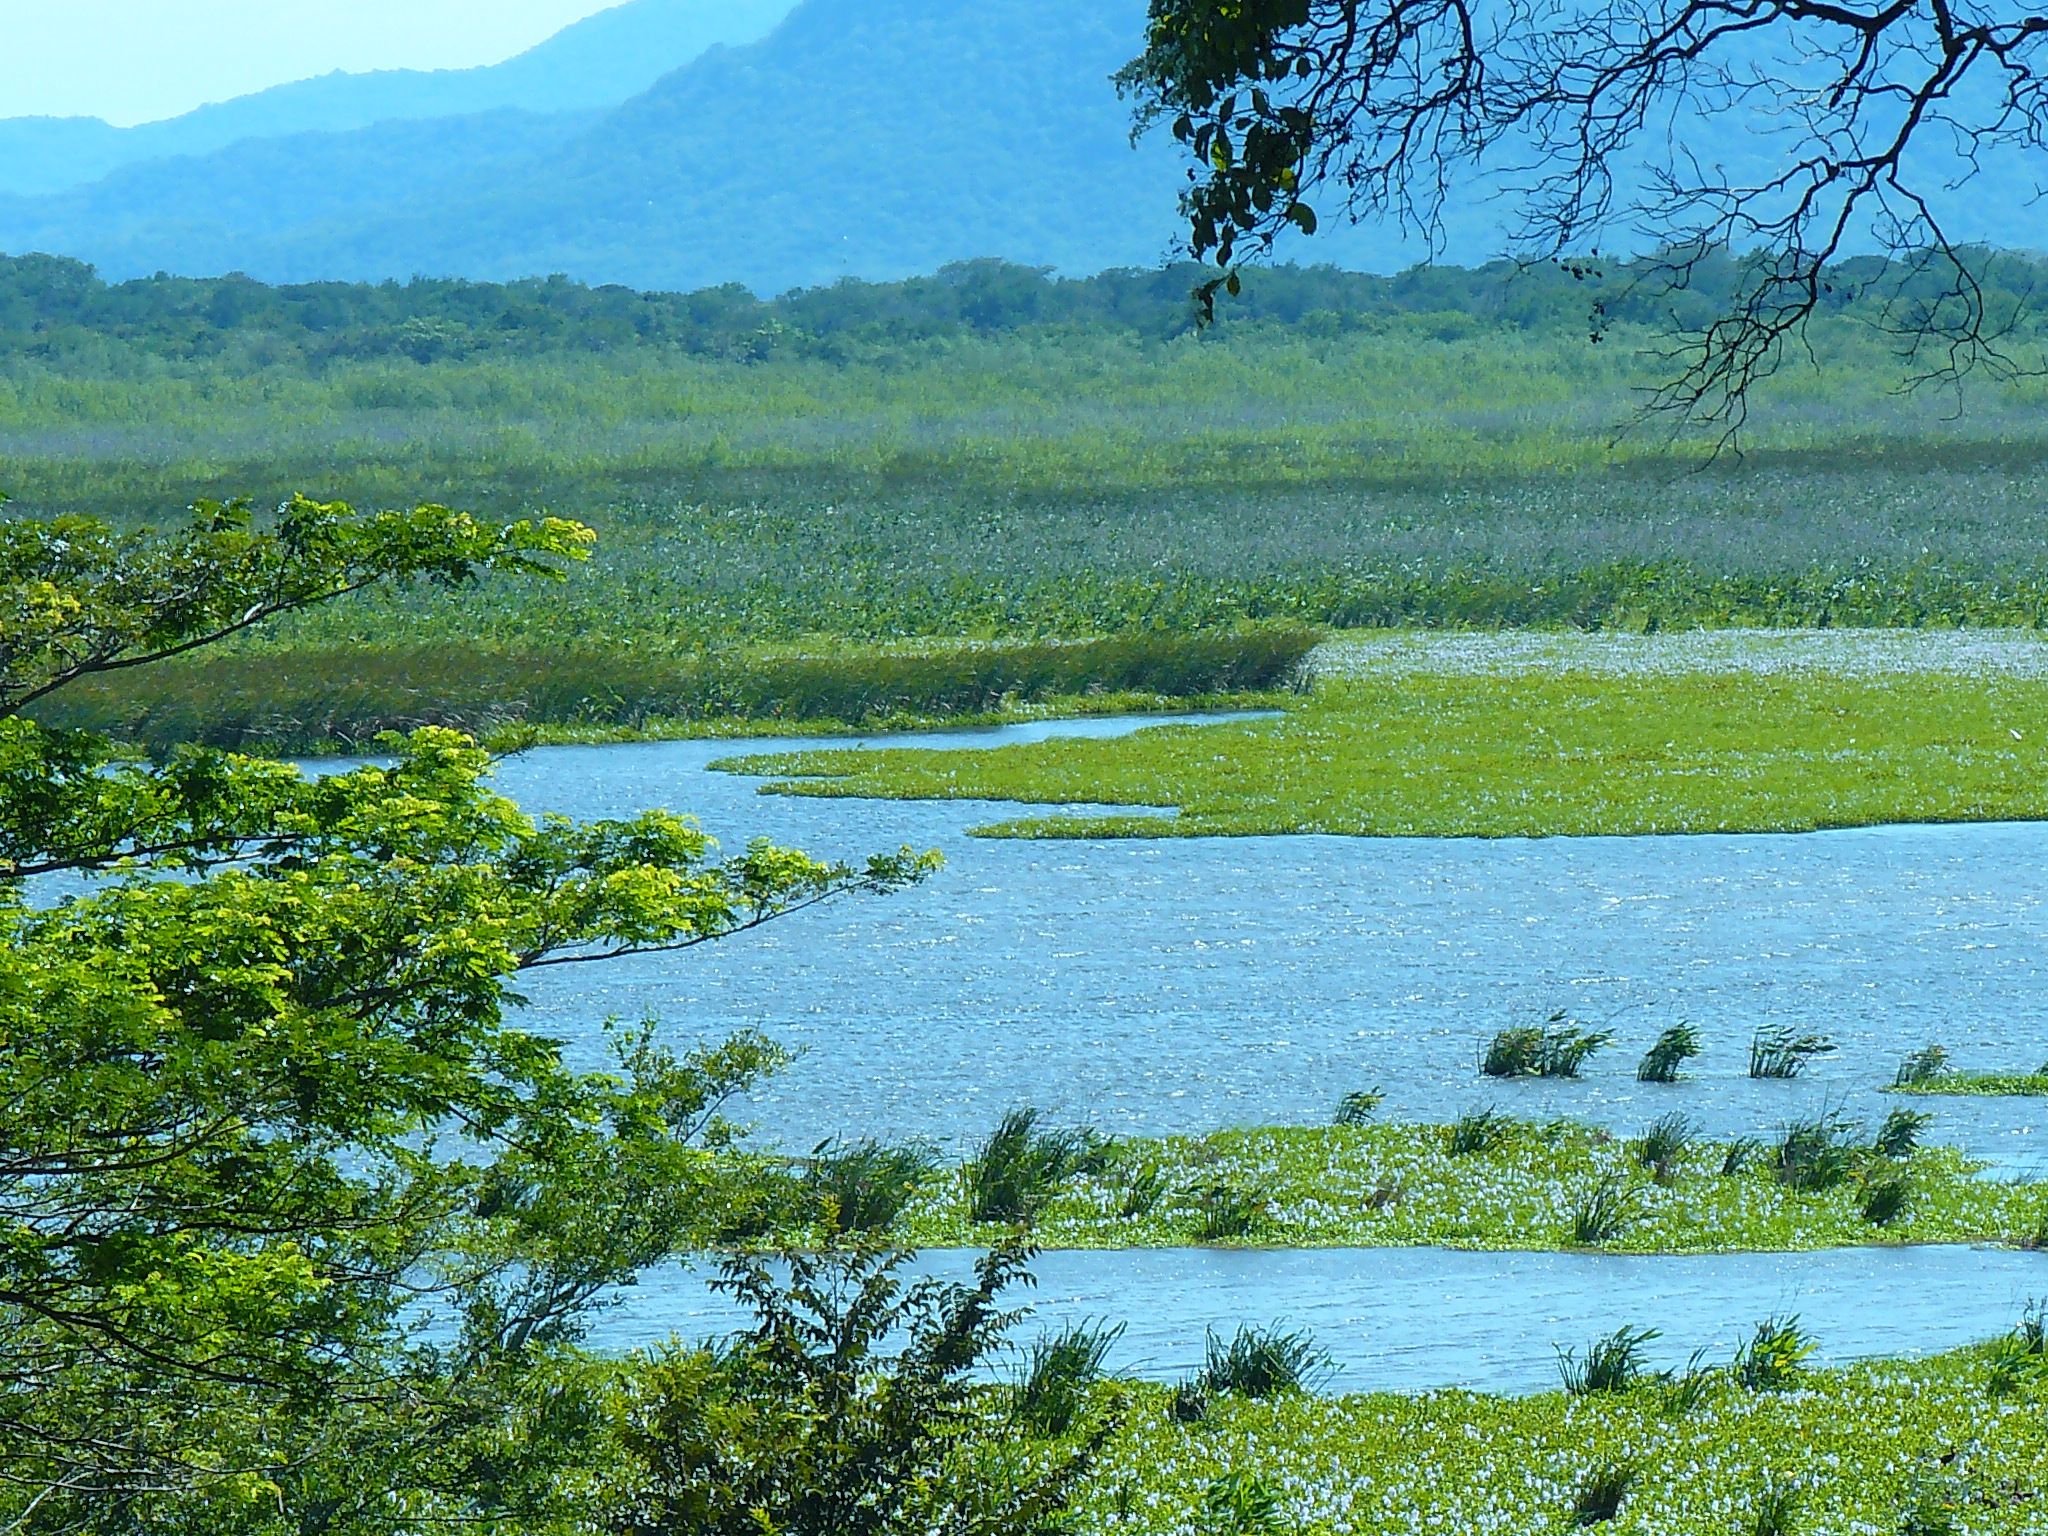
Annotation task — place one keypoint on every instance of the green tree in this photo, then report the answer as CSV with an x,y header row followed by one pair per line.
x,y
297,1227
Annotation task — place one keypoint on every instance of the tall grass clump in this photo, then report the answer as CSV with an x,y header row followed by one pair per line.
x,y
1261,1362
1612,1364
1477,1131
1929,1064
1557,1048
1062,1370
1601,1494
1676,1046
1663,1145
1241,1504
1886,1199
1739,1154
864,1187
1604,1212
1777,1508
1358,1107
1784,1053
1225,1212
1899,1136
1815,1155
1774,1357
1020,1168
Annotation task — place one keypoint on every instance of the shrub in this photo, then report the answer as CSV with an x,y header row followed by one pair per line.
x,y
1781,1053
1612,1364
1663,1144
1604,1213
1357,1108
1929,1064
1020,1167
1062,1370
1676,1046
1226,1211
864,1187
1886,1200
1479,1130
1774,1357
1899,1136
1600,1495
1261,1362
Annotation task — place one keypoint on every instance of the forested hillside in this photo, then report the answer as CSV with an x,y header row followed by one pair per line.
x,y
596,63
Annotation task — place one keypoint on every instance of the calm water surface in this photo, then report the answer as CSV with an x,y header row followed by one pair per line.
x,y
1186,984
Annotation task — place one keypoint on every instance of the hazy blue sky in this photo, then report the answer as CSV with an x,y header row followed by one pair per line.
x,y
131,61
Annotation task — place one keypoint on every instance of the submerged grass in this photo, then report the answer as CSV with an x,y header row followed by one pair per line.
x,y
1521,1186
1496,756
1853,1450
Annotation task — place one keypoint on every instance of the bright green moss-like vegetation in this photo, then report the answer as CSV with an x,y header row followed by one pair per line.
x,y
1520,756
1520,1186
1987,1084
1960,1439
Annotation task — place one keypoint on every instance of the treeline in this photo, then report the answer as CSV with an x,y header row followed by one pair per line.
x,y
58,310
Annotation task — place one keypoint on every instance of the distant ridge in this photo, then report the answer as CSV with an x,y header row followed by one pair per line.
x,y
598,62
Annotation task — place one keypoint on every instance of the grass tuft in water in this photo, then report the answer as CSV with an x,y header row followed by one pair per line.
x,y
1604,1212
1784,1053
1358,1107
1227,1212
1261,1362
1557,1048
1612,1364
1899,1136
1663,1146
1661,1063
864,1187
1773,1359
1020,1167
1887,1199
1062,1370
1929,1064
1479,1130
1602,1492
1815,1155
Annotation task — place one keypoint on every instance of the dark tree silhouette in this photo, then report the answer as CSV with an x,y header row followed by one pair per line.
x,y
1853,125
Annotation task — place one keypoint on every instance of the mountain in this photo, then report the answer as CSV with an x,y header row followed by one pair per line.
x,y
597,62
865,138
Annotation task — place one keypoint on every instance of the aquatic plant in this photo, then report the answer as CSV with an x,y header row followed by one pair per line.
x,y
1063,1368
1816,1154
1899,1136
1190,1404
1143,1186
1927,1065
1557,1048
1241,1504
1479,1130
1604,1212
1739,1154
1886,1199
1611,1364
1676,1046
1261,1362
1224,1211
1667,1140
864,1187
1020,1167
1784,1053
1776,1507
1602,1490
1774,1357
1358,1107
1686,1389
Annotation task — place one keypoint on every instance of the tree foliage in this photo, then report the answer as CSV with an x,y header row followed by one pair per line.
x,y
292,1213
1860,119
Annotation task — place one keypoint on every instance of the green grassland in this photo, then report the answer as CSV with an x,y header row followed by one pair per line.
x,y
1518,756
1403,1186
1870,1448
